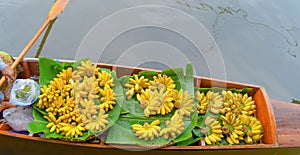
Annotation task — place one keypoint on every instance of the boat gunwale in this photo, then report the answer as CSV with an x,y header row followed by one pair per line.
x,y
137,147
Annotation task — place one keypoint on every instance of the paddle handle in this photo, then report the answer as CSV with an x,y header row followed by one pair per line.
x,y
26,49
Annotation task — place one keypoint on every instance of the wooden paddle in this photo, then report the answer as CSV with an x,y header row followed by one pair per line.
x,y
56,9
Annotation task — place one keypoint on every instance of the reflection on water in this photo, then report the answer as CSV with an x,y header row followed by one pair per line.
x,y
43,41
258,40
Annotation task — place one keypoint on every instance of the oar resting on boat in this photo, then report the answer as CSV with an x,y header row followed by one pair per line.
x,y
56,9
10,68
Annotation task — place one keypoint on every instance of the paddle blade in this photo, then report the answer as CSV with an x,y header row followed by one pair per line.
x,y
57,8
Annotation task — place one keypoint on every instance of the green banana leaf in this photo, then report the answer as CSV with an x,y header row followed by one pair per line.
x,y
48,70
195,132
121,132
147,74
177,75
132,106
190,79
187,133
38,125
189,141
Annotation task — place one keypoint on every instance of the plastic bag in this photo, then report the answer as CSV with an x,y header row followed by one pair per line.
x,y
24,92
1,96
18,118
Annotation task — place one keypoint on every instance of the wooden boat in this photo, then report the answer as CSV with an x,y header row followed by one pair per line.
x,y
280,122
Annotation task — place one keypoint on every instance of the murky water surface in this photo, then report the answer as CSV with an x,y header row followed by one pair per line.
x,y
258,40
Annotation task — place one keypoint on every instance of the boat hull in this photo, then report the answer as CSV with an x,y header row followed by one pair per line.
x,y
280,117
13,145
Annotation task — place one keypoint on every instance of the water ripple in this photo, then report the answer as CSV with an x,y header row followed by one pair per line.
x,y
229,8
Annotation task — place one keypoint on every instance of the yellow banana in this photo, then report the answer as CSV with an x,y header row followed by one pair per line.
x,y
146,132
207,141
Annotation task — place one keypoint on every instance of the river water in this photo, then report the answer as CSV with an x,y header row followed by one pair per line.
x,y
255,42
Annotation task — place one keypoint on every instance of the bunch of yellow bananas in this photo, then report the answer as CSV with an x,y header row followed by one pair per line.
x,y
160,97
146,92
248,105
157,99
104,78
85,93
69,100
252,127
93,81
232,128
203,102
46,97
104,82
136,85
174,127
165,80
157,86
212,131
87,110
186,104
72,130
98,122
166,107
238,103
236,110
71,117
58,101
56,105
147,132
216,102
167,104
155,102
66,74
108,98
58,87
53,123
69,106
85,69
144,98
85,89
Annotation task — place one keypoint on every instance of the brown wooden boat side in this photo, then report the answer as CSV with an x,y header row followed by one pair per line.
x,y
286,115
